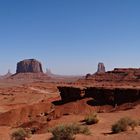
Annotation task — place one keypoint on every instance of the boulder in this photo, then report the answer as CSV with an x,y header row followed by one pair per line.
x,y
29,65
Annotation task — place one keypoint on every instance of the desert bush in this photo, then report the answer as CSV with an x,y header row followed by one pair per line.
x,y
123,124
133,124
19,134
91,118
138,122
67,132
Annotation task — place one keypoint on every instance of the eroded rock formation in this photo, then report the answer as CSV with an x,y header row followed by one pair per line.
x,y
101,96
117,75
101,68
70,93
29,65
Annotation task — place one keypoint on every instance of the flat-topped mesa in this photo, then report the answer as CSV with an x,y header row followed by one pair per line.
x,y
101,68
29,65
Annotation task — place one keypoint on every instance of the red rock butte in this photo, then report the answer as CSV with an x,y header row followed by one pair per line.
x,y
29,65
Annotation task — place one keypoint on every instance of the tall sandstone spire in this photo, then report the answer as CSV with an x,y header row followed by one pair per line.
x,y
101,68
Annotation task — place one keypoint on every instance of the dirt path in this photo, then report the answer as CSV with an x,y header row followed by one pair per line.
x,y
40,90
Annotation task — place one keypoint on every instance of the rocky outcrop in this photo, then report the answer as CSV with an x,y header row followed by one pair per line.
x,y
113,96
126,74
29,65
101,68
70,93
101,96
88,75
116,76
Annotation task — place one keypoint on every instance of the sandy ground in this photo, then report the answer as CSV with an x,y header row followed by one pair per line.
x,y
100,131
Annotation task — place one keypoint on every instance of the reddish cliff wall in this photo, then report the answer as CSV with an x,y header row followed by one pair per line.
x,y
70,93
115,96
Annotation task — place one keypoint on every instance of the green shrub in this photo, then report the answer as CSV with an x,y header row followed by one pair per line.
x,y
91,119
123,124
19,134
67,132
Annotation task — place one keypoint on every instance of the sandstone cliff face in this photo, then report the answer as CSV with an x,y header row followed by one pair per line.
x,y
101,68
29,65
101,96
70,93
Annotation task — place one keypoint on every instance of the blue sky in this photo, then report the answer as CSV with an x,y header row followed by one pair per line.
x,y
70,36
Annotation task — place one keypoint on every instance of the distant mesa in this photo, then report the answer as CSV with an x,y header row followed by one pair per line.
x,y
101,68
29,66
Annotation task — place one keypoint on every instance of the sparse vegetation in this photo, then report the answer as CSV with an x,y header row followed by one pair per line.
x,y
133,124
91,118
123,124
139,122
67,132
19,134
